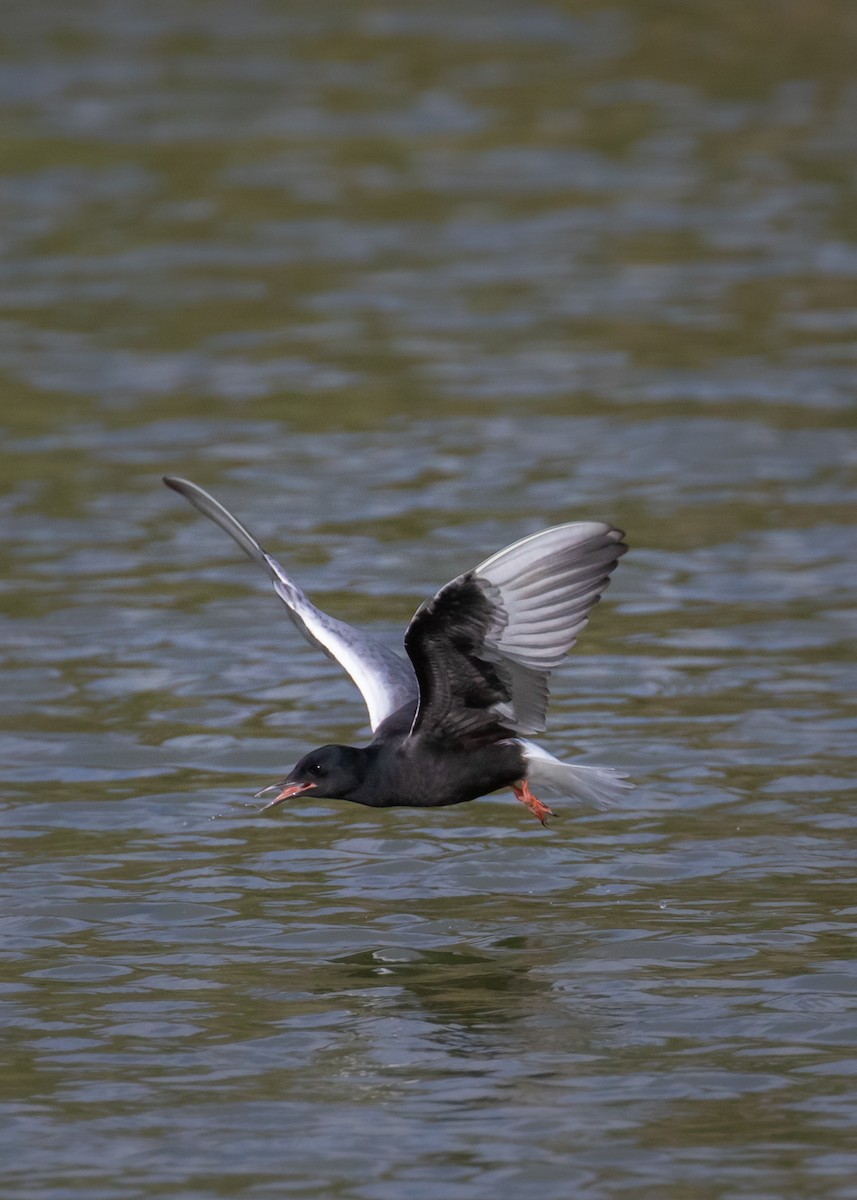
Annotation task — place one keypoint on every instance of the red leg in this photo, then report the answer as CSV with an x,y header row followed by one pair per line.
x,y
539,810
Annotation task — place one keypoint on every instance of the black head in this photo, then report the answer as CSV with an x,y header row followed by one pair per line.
x,y
330,772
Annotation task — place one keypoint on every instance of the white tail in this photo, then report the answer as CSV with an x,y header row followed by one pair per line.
x,y
599,786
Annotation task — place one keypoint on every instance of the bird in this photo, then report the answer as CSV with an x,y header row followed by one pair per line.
x,y
452,719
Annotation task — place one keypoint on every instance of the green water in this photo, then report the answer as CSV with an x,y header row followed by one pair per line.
x,y
400,284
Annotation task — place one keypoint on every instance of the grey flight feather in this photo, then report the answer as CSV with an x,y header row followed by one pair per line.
x,y
543,589
385,679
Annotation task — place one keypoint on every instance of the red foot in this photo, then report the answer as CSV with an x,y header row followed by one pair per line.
x,y
539,810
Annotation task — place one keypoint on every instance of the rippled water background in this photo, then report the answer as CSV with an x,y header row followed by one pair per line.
x,y
401,283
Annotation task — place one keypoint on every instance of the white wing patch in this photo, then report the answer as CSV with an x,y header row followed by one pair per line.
x,y
385,679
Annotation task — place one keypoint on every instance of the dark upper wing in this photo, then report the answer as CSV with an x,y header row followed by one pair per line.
x,y
384,678
460,688
484,646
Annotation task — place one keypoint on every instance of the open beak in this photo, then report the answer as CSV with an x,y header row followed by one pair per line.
x,y
290,789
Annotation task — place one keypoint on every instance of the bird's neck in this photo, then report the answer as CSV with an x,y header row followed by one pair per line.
x,y
372,770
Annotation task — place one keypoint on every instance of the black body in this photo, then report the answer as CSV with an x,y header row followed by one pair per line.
x,y
398,770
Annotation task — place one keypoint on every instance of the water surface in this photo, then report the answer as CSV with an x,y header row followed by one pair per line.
x,y
400,285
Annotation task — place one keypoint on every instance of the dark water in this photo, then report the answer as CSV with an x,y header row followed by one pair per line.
x,y
401,283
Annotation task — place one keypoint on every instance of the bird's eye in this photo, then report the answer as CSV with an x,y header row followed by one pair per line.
x,y
315,769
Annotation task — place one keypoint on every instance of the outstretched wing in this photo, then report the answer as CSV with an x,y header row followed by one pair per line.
x,y
484,646
384,677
